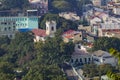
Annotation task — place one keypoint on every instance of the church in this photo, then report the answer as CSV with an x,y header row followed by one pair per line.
x,y
41,35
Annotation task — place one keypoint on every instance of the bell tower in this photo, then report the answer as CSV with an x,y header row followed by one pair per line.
x,y
50,27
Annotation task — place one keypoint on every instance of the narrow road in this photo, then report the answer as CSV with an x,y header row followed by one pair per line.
x,y
69,72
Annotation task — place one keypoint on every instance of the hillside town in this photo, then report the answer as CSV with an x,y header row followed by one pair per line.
x,y
60,40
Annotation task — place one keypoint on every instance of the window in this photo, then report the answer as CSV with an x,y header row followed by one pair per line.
x,y
89,59
10,36
9,23
52,28
71,60
80,35
5,29
5,23
80,60
85,60
13,23
79,46
9,28
96,59
76,60
13,27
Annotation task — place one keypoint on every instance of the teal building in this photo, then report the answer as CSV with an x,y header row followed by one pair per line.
x,y
9,25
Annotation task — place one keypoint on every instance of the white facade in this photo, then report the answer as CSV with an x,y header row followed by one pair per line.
x,y
69,16
96,2
116,10
39,38
50,27
110,25
116,1
103,57
95,20
80,56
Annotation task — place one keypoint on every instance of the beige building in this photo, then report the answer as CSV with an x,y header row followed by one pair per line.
x,y
86,28
103,57
116,1
72,35
69,16
116,10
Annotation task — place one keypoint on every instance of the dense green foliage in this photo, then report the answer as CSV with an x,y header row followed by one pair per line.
x,y
61,5
91,70
34,61
111,45
111,74
68,5
14,4
105,43
61,22
55,6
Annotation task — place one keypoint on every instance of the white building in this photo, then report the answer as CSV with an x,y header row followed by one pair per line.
x,y
112,25
96,2
116,1
80,56
102,15
69,16
50,28
116,10
103,57
40,34
95,20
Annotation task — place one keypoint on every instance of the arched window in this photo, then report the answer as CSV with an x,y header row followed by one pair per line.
x,y
71,60
85,60
79,46
52,28
80,59
76,60
80,36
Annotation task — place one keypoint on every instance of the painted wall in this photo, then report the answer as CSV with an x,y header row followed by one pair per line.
x,y
9,25
20,22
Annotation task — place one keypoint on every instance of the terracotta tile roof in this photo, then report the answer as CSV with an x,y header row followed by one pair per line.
x,y
69,36
39,32
100,15
69,32
111,30
111,3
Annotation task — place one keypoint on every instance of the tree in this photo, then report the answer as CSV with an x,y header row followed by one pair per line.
x,y
111,74
91,70
21,47
4,42
37,61
106,43
61,22
6,71
61,5
13,4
